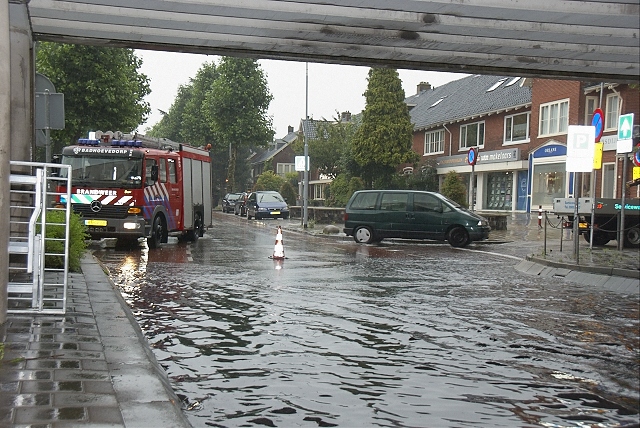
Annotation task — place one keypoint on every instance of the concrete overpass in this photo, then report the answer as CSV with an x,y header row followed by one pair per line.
x,y
588,40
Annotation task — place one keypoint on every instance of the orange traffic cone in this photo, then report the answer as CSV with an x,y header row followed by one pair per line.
x,y
278,249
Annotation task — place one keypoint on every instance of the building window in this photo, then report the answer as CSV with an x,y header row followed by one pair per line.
x,y
434,142
319,190
516,128
591,105
612,113
554,118
472,135
283,168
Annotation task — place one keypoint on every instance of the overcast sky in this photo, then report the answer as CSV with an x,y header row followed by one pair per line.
x,y
332,88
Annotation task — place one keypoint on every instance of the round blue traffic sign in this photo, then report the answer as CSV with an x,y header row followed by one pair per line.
x,y
472,156
598,121
636,156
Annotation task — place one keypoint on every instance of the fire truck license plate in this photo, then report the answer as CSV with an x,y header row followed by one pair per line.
x,y
95,222
275,212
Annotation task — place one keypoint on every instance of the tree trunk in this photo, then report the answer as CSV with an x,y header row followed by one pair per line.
x,y
231,170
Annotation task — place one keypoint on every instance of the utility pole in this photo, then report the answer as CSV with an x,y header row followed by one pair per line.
x,y
305,200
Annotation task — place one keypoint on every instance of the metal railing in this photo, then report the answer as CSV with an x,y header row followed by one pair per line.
x,y
38,238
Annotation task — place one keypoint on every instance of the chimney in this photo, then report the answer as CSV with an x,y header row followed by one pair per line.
x,y
290,129
423,86
345,116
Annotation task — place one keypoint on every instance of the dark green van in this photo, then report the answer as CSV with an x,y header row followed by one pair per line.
x,y
372,215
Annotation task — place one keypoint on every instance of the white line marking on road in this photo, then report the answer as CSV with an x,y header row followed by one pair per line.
x,y
490,252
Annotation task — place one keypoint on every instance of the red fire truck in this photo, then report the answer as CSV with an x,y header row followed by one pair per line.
x,y
140,187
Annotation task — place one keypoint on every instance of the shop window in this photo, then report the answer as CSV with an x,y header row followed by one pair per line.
x,y
434,142
516,128
472,135
554,118
548,183
500,191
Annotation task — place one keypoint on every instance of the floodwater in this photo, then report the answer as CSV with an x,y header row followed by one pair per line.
x,y
389,335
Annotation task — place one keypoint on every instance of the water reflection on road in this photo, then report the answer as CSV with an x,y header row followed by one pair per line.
x,y
348,335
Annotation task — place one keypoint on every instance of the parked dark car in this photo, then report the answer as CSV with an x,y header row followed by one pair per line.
x,y
372,215
240,207
229,202
266,204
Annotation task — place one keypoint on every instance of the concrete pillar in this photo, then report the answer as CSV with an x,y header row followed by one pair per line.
x,y
22,78
5,146
16,107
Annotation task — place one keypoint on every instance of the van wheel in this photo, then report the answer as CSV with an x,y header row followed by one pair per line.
x,y
458,237
155,238
363,235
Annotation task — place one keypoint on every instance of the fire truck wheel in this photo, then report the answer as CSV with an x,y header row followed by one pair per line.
x,y
632,237
198,228
155,238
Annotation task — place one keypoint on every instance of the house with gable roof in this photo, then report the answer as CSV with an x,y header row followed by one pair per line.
x,y
279,156
491,113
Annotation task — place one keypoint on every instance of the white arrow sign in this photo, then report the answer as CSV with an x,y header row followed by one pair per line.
x,y
625,131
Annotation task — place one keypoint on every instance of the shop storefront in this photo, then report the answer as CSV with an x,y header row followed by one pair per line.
x,y
500,178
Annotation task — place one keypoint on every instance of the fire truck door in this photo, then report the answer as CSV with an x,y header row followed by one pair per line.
x,y
175,193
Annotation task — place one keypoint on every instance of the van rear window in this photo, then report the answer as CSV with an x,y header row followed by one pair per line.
x,y
364,201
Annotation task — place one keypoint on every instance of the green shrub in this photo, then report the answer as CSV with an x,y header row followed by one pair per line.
x,y
77,240
454,189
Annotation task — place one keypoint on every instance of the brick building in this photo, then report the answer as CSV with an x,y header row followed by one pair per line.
x,y
519,126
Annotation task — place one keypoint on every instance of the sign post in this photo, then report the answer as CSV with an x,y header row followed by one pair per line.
x,y
472,158
581,142
625,146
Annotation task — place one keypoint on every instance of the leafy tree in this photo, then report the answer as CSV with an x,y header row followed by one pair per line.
x,y
102,88
196,125
171,124
454,189
384,140
236,107
269,181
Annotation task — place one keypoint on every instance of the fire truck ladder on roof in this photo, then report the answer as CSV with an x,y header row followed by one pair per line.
x,y
38,238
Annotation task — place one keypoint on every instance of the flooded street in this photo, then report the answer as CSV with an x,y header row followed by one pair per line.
x,y
395,334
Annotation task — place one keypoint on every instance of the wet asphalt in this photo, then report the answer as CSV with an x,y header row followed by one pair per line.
x,y
93,366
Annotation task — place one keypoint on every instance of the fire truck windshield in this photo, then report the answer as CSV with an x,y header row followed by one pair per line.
x,y
108,172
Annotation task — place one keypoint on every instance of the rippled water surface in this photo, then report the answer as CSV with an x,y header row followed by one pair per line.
x,y
402,335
